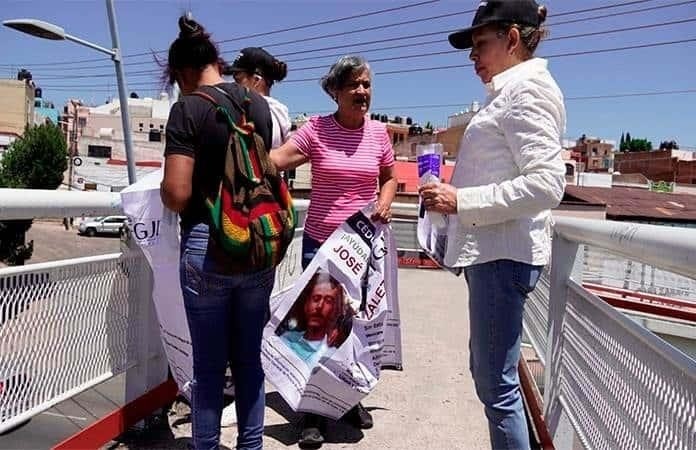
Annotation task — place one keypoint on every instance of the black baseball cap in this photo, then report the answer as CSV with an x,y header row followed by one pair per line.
x,y
521,12
252,60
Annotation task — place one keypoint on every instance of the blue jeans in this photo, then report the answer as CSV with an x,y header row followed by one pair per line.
x,y
310,247
226,315
497,292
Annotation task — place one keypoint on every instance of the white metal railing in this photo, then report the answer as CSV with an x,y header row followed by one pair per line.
x,y
603,267
608,382
66,326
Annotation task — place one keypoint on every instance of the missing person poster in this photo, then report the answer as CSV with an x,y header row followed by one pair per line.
x,y
432,237
155,229
333,327
332,332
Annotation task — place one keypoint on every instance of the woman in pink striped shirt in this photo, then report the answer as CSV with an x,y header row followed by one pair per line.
x,y
350,156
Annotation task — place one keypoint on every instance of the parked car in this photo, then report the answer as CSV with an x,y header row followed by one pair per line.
x,y
102,225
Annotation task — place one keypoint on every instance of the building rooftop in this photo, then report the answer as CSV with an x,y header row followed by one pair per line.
x,y
156,108
624,203
407,173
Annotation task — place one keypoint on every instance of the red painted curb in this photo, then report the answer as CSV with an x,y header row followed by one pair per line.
x,y
535,406
120,420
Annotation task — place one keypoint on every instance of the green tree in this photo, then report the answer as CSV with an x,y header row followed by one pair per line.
x,y
35,161
639,145
622,143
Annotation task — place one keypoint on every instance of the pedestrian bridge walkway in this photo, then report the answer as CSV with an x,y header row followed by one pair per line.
x,y
594,377
430,404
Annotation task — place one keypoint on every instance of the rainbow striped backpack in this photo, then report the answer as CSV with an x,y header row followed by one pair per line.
x,y
252,217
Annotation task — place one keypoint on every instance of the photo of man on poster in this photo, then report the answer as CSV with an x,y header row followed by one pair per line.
x,y
320,319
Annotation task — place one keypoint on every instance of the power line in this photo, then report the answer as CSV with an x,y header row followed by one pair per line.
x,y
632,94
299,27
599,8
408,22
455,66
560,55
324,36
624,13
361,30
413,36
572,36
310,25
458,105
148,72
587,19
610,6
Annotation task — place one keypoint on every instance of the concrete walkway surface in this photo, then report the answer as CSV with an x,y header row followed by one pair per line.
x,y
431,404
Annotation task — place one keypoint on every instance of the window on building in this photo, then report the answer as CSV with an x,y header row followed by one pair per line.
x,y
401,187
99,151
594,151
152,126
155,136
570,170
162,127
82,122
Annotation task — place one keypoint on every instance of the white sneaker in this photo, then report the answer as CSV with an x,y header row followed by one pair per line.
x,y
229,416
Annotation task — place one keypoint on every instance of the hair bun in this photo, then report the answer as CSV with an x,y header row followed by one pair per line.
x,y
189,28
542,12
280,70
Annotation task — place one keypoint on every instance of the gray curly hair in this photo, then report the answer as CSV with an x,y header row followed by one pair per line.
x,y
341,71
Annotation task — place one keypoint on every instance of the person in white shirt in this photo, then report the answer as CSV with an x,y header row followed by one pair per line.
x,y
258,70
508,176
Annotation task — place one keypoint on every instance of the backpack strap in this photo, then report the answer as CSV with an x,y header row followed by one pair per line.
x,y
253,164
251,156
233,140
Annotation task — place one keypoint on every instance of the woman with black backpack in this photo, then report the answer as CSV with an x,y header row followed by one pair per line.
x,y
226,306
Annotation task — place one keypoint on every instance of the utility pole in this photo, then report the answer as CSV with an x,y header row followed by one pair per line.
x,y
73,145
123,98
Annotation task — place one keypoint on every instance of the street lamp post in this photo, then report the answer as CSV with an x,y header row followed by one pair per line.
x,y
50,31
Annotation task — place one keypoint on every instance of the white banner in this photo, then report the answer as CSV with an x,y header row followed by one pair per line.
x,y
433,238
156,230
331,333
365,334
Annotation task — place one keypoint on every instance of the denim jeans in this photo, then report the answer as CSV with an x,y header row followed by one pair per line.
x,y
310,247
226,315
497,292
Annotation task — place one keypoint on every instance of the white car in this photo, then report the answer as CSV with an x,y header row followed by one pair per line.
x,y
102,225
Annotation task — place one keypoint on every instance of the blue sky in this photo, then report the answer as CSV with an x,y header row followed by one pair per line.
x,y
147,25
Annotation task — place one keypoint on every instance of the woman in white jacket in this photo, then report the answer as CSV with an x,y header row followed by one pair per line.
x,y
508,176
257,69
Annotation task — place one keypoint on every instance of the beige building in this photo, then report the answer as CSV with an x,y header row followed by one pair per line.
x,y
100,131
596,155
16,107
